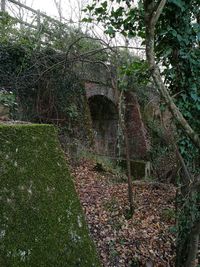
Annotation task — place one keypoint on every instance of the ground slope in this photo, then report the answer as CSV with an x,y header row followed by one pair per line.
x,y
146,239
41,221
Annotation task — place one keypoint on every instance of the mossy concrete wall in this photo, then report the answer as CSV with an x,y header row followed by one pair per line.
x,y
41,221
4,112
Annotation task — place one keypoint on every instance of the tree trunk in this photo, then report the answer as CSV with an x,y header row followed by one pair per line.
x,y
152,14
127,149
151,17
193,246
128,161
3,5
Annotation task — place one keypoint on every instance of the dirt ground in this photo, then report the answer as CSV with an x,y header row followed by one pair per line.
x,y
147,239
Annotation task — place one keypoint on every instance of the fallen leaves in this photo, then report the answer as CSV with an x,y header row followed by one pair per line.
x,y
143,240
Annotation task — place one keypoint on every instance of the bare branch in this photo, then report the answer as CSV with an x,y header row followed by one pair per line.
x,y
157,13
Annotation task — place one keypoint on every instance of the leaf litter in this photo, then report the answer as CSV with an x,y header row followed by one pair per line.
x,y
147,239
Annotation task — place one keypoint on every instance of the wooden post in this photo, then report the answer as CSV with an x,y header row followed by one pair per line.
x,y
3,5
38,21
38,29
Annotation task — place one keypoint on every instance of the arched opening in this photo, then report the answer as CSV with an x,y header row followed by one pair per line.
x,y
105,124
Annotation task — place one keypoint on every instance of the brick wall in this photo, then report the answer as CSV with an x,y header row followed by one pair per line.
x,y
138,141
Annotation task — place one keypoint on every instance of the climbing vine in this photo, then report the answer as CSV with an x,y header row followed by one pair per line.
x,y
43,92
46,80
171,31
181,72
182,66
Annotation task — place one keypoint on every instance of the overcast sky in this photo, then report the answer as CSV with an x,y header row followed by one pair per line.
x,y
71,10
47,6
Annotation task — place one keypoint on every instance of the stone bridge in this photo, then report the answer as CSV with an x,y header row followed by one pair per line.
x,y
94,89
103,108
104,113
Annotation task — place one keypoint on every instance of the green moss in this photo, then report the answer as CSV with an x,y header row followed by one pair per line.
x,y
41,221
139,168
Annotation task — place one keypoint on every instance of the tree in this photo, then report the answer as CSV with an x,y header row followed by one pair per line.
x,y
152,21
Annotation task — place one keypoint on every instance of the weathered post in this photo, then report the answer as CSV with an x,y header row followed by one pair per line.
x,y
38,28
38,20
3,5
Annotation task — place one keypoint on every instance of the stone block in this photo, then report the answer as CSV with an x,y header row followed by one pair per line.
x,y
4,112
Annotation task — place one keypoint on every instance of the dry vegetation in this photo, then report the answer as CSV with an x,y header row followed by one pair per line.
x,y
144,240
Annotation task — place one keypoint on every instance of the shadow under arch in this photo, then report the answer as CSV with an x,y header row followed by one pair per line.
x,y
104,116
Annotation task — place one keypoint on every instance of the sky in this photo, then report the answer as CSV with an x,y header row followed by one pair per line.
x,y
71,12
47,6
69,7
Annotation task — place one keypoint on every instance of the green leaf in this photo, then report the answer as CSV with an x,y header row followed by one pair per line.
x,y
87,20
90,7
167,51
179,37
174,32
194,96
104,4
110,30
178,3
99,10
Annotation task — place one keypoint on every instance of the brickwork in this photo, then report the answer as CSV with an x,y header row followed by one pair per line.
x,y
93,89
138,141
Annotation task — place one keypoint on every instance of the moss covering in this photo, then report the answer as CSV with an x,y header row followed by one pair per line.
x,y
41,221
140,169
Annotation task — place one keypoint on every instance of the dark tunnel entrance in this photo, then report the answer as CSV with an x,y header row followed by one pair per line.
x,y
105,124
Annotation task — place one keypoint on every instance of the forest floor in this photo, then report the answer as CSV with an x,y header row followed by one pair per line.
x,y
147,239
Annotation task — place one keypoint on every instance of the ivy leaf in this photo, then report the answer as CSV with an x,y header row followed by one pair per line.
x,y
167,51
87,20
99,10
104,4
90,7
178,3
179,37
110,30
198,36
198,106
173,32
194,96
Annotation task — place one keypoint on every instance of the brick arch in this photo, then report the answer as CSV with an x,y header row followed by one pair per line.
x,y
104,115
137,135
95,89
